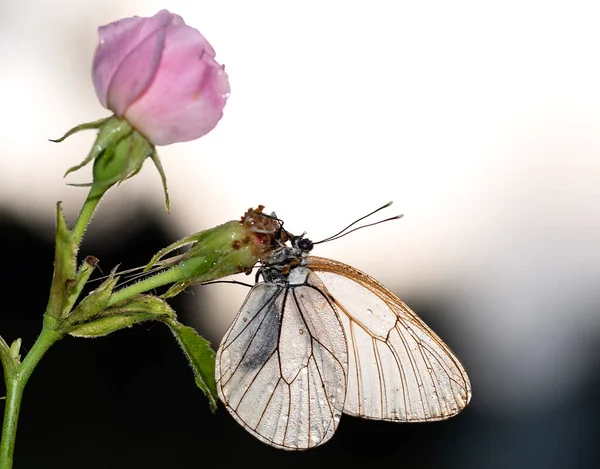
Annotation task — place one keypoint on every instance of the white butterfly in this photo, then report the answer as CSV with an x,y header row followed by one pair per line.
x,y
318,338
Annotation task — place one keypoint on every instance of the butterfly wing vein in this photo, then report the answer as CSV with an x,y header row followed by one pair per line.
x,y
281,367
398,368
332,340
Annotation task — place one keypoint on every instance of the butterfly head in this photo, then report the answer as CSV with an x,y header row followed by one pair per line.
x,y
302,245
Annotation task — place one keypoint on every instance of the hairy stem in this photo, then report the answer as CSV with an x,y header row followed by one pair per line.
x,y
85,215
163,278
15,385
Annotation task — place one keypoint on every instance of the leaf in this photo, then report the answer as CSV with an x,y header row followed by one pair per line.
x,y
201,357
135,310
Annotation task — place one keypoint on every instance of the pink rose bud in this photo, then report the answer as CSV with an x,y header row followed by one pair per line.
x,y
161,76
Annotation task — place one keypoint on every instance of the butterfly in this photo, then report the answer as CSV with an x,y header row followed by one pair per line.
x,y
317,338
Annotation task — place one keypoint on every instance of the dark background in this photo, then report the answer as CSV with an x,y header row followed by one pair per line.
x,y
129,399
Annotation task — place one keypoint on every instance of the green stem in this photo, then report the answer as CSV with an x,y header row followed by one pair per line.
x,y
171,275
85,215
15,385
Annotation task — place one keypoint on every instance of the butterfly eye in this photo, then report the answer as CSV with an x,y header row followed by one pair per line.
x,y
304,244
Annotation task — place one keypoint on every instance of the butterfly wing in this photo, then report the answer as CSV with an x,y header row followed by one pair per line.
x,y
398,368
281,367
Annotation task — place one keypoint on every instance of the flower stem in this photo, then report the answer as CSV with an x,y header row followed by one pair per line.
x,y
15,385
85,215
167,276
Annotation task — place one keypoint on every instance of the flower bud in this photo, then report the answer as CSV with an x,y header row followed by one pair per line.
x,y
161,76
118,153
230,248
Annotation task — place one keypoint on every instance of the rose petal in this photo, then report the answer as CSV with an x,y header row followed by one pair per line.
x,y
117,40
135,73
188,93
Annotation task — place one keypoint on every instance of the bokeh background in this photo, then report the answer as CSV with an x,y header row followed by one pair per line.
x,y
480,120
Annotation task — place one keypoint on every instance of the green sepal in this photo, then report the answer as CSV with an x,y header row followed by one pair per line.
x,y
118,154
157,259
122,160
110,132
64,265
135,310
163,178
201,358
74,287
88,125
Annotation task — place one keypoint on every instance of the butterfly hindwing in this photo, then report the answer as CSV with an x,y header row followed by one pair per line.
x,y
282,366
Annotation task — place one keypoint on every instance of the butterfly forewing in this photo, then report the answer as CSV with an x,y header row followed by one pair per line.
x,y
398,368
282,366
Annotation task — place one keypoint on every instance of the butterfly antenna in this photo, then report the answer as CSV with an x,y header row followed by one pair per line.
x,y
345,231
360,228
135,273
233,282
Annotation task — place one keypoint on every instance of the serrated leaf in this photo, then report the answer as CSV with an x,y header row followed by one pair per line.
x,y
201,357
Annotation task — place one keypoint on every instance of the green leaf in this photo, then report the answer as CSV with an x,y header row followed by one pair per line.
x,y
135,310
64,265
201,357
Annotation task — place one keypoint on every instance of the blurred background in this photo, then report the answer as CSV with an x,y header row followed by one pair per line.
x,y
480,120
